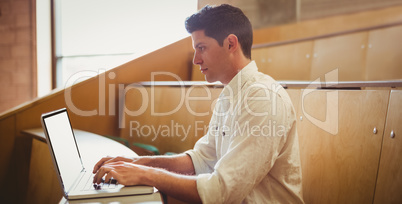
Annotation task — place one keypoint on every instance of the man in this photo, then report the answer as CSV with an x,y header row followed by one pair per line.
x,y
251,152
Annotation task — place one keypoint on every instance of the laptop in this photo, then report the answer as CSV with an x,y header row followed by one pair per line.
x,y
77,182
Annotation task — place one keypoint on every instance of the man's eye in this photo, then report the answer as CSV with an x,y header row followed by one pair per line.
x,y
201,48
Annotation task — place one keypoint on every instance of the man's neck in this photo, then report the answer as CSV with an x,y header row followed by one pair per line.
x,y
238,65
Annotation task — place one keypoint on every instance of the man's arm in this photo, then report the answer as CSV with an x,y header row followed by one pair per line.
x,y
180,163
183,187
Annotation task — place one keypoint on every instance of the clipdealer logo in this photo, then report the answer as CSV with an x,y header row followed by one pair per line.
x,y
329,124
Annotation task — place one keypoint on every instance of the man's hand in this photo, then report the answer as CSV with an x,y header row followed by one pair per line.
x,y
107,160
125,173
152,171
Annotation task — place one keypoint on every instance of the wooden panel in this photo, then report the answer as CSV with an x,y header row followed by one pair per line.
x,y
196,74
175,58
173,118
324,26
192,113
16,150
43,185
93,103
7,132
389,182
345,53
341,168
84,99
294,95
163,64
286,62
7,136
384,61
320,8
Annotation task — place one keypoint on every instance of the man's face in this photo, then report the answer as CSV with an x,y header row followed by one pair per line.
x,y
211,57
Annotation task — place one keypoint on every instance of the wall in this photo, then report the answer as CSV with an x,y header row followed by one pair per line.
x,y
17,70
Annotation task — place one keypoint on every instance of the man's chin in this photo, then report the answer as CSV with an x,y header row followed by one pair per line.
x,y
209,80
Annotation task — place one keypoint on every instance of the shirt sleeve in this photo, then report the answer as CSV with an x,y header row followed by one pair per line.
x,y
254,145
203,155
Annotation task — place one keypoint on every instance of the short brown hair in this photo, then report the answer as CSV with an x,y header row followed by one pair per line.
x,y
220,21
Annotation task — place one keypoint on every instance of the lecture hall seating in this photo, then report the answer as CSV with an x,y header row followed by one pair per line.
x,y
340,168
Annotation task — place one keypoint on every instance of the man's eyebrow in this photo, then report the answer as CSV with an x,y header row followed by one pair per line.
x,y
198,44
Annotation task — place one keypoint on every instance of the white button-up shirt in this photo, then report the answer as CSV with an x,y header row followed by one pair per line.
x,y
250,153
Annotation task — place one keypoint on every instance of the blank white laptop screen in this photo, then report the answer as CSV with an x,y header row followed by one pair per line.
x,y
64,147
65,153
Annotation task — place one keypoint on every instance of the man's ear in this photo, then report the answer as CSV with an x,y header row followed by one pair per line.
x,y
233,42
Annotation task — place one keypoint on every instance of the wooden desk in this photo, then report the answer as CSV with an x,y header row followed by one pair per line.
x,y
43,184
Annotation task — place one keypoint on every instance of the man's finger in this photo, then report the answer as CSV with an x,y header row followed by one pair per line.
x,y
100,163
101,172
110,175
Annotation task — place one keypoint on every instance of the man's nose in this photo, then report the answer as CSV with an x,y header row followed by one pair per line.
x,y
197,59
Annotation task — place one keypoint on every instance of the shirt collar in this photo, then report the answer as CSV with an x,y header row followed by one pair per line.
x,y
240,79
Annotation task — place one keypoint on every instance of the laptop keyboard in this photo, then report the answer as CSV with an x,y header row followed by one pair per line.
x,y
89,185
109,185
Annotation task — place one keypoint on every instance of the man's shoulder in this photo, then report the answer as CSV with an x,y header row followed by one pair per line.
x,y
259,80
260,84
